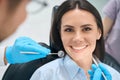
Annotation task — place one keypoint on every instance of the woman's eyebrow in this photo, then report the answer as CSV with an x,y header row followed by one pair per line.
x,y
86,25
68,26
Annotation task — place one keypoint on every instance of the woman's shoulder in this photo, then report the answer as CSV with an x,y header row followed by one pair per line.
x,y
50,65
115,74
47,71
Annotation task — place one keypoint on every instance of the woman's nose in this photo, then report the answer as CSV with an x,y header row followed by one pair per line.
x,y
78,37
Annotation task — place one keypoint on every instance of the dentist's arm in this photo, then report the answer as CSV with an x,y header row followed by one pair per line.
x,y
107,25
24,50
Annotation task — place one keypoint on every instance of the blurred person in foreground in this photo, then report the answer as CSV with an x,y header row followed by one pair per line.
x,y
12,14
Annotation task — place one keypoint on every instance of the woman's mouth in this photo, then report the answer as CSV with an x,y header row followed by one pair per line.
x,y
78,48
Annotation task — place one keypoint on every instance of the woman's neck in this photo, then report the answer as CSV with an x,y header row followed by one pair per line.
x,y
85,65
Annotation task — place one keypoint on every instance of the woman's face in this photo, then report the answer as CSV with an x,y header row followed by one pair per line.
x,y
79,33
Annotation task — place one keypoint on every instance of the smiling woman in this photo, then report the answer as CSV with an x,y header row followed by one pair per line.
x,y
78,31
79,35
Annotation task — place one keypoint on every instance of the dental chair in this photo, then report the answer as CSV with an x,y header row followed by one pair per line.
x,y
24,71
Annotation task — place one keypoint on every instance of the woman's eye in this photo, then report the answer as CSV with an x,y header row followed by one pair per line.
x,y
68,30
87,29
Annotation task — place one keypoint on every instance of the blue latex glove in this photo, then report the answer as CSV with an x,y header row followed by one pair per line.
x,y
96,72
25,44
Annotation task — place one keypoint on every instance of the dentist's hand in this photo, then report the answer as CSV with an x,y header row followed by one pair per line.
x,y
96,72
25,44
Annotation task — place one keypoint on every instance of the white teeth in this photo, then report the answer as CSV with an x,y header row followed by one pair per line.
x,y
78,48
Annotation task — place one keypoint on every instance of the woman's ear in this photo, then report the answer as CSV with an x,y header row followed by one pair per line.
x,y
99,34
